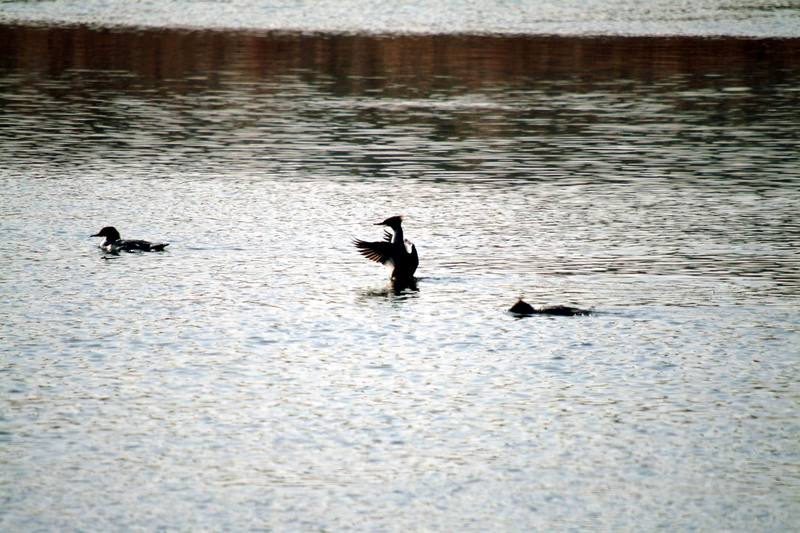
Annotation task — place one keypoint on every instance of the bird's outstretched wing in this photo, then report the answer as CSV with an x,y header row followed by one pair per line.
x,y
387,235
380,252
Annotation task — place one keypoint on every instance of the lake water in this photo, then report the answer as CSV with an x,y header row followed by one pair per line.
x,y
262,375
754,18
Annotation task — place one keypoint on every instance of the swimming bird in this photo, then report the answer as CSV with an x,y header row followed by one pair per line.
x,y
394,251
115,244
524,309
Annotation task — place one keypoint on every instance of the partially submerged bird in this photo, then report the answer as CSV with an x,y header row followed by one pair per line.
x,y
115,244
524,309
394,251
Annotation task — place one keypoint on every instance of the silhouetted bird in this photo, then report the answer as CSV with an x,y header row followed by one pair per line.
x,y
525,309
393,251
114,244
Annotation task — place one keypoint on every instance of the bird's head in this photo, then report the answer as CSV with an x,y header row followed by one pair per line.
x,y
109,232
392,222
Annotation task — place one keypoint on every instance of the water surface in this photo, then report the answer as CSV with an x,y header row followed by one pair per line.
x,y
754,18
262,375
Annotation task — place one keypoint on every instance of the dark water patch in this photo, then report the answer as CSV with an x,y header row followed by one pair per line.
x,y
507,110
380,63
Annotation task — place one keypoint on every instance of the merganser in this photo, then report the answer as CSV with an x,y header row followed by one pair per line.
x,y
115,244
393,251
524,309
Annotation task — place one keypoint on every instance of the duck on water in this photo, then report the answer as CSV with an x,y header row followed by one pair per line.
x,y
114,244
394,251
522,308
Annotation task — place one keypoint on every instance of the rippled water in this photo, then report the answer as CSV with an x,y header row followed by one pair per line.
x,y
262,375
754,18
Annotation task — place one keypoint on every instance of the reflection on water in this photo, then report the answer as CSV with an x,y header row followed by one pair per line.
x,y
395,289
262,374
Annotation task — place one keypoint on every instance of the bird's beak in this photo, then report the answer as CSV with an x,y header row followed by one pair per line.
x,y
95,235
378,224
